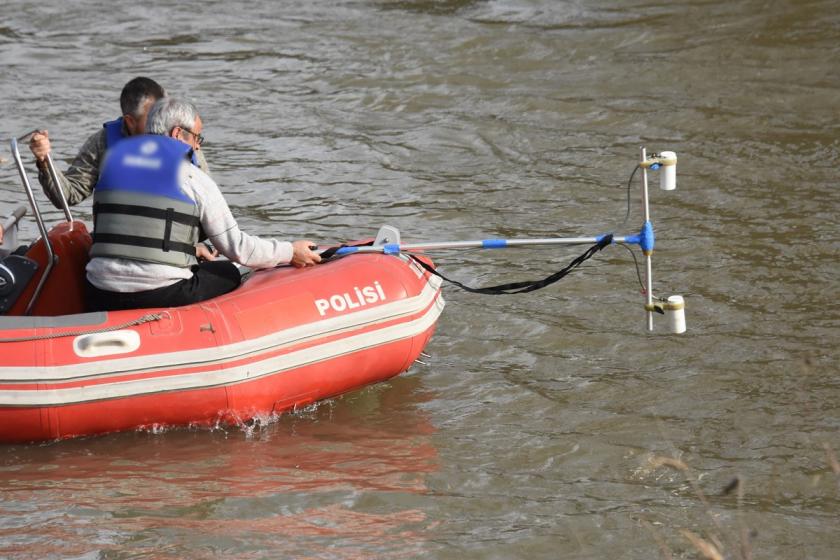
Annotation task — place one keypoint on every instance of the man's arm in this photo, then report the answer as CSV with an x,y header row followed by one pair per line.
x,y
223,231
80,178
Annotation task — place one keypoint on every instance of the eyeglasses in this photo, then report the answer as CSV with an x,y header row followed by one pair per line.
x,y
199,138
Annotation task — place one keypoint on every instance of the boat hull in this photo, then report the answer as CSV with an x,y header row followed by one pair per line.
x,y
285,339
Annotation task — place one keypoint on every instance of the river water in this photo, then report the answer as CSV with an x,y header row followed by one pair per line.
x,y
545,425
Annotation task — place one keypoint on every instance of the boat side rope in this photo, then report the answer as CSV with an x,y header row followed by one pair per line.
x,y
149,317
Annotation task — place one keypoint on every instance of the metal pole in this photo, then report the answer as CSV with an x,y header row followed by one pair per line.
x,y
481,244
498,243
648,266
41,227
54,177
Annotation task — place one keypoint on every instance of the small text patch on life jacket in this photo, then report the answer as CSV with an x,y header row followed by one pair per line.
x,y
142,162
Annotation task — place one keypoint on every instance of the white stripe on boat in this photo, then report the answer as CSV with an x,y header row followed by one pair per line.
x,y
217,355
213,377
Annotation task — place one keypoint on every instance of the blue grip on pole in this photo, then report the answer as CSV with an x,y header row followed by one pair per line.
x,y
391,248
494,244
647,237
346,251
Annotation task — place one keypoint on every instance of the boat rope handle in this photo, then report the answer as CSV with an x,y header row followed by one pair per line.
x,y
139,321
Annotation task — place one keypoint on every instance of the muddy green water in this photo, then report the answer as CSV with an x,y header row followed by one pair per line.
x,y
538,427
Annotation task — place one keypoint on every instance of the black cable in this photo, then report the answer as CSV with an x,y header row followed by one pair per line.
x,y
635,262
528,285
629,185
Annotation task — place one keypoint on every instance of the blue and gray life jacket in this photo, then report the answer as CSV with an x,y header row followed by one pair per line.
x,y
139,209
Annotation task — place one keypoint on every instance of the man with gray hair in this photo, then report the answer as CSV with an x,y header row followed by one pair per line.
x,y
136,98
150,208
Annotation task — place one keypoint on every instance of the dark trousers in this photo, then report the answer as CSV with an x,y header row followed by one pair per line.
x,y
210,279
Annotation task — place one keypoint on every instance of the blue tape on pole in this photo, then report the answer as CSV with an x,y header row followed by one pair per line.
x,y
346,251
494,243
600,238
647,238
391,249
633,239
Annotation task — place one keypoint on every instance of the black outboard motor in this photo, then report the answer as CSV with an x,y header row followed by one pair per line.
x,y
15,273
15,270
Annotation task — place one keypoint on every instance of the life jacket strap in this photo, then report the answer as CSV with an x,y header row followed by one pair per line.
x,y
170,215
165,245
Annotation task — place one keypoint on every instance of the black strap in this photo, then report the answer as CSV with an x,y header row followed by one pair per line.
x,y
527,286
329,253
167,230
142,242
146,212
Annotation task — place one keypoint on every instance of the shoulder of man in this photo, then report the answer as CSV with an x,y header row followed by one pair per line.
x,y
93,150
197,184
96,142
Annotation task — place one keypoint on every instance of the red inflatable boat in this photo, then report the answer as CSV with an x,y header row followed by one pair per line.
x,y
284,339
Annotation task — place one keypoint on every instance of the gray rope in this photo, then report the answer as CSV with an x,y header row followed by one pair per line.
x,y
139,321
